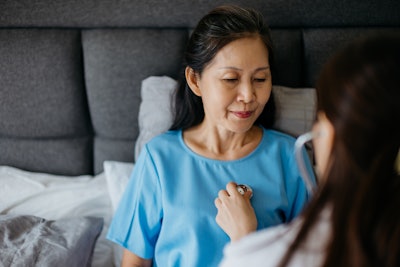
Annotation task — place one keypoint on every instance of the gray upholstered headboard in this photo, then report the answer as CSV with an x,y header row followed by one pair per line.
x,y
71,71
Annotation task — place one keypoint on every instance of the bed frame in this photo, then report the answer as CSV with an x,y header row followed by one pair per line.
x,y
71,71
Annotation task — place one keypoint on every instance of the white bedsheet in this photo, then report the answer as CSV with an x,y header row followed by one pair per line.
x,y
54,197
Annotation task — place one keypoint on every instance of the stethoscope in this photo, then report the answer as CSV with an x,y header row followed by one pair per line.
x,y
298,151
299,155
243,188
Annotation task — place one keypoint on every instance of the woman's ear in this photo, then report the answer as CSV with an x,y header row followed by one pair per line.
x,y
193,80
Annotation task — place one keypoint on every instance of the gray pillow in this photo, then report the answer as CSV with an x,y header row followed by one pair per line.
x,y
33,241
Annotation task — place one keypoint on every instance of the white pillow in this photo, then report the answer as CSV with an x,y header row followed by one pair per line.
x,y
155,115
295,109
56,197
117,176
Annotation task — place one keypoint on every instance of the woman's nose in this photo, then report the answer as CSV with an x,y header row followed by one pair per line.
x,y
246,93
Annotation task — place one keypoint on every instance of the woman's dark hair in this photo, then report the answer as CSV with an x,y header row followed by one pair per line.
x,y
359,91
218,28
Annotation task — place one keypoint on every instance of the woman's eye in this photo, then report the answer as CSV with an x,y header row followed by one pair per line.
x,y
260,80
231,80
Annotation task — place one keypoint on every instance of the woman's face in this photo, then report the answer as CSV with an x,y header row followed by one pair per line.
x,y
236,85
322,142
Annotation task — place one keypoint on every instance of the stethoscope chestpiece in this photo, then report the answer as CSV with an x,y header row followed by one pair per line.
x,y
243,188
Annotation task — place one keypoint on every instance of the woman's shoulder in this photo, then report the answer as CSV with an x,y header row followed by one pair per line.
x,y
278,139
168,136
278,135
168,141
166,145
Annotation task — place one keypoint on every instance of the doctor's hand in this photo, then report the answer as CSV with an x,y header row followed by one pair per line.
x,y
235,214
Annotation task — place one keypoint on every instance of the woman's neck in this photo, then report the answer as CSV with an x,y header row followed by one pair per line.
x,y
221,144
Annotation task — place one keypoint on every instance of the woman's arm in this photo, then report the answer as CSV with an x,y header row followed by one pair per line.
x,y
132,260
235,214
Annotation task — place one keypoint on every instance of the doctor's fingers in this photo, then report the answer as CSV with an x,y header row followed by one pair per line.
x,y
223,194
217,202
231,188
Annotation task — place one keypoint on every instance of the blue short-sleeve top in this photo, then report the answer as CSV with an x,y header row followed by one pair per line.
x,y
167,212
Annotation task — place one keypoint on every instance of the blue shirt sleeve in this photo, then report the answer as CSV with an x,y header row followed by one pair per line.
x,y
137,221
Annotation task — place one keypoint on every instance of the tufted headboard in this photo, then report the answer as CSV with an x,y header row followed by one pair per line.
x,y
71,71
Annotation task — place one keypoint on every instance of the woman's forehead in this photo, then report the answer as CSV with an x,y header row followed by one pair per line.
x,y
242,53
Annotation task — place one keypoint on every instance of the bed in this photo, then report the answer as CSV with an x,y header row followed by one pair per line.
x,y
84,84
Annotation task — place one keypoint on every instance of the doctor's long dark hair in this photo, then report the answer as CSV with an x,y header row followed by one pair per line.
x,y
218,28
359,91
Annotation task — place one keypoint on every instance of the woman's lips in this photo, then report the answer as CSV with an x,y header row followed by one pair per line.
x,y
242,114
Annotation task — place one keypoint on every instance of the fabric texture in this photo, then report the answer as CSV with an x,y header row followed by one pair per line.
x,y
167,212
279,13
33,241
267,247
44,122
155,114
56,197
117,176
295,109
